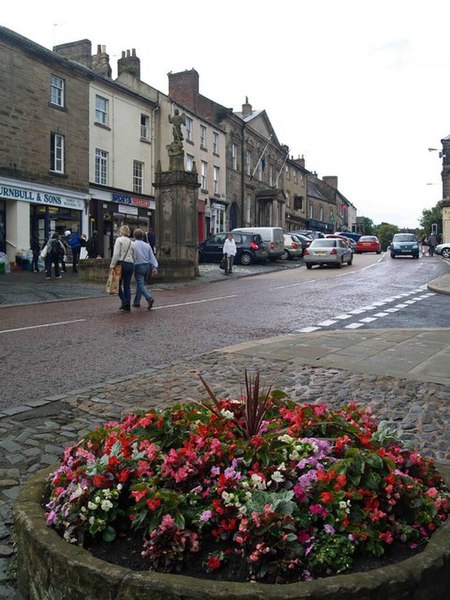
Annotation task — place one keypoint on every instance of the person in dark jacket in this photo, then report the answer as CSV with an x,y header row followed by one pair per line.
x,y
93,245
150,238
36,250
75,244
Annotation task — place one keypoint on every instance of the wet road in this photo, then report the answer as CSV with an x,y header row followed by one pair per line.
x,y
52,349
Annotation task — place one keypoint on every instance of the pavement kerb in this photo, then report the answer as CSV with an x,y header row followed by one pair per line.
x,y
441,285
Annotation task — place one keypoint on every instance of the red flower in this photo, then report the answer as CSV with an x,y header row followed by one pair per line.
x,y
213,562
100,481
124,475
153,504
326,497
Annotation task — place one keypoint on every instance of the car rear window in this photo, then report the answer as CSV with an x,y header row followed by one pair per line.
x,y
404,237
324,243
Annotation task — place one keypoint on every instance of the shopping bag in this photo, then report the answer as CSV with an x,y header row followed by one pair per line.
x,y
223,263
112,285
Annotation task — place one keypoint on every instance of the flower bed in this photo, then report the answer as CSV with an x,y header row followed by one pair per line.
x,y
288,492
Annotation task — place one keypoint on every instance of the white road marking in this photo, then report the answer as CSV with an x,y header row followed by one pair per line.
x,y
353,325
401,306
43,325
381,314
391,310
368,319
307,329
342,317
194,302
326,323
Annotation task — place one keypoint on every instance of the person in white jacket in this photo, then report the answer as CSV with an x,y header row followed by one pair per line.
x,y
229,251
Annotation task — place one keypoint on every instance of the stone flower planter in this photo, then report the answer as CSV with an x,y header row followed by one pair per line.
x,y
48,568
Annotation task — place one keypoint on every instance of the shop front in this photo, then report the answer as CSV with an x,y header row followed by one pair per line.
x,y
109,210
30,209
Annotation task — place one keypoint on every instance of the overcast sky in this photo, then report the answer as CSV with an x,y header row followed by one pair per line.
x,y
361,88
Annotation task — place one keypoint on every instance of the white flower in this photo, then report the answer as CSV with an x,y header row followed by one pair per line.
x,y
277,476
227,414
287,439
106,505
92,505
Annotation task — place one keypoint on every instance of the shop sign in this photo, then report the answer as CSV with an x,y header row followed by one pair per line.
x,y
133,200
40,197
128,210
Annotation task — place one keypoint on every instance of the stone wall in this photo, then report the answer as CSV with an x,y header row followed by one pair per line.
x,y
51,569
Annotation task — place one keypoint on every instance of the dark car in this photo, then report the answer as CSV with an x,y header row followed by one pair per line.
x,y
404,244
249,246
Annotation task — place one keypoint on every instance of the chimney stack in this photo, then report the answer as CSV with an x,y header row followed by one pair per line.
x,y
331,180
246,108
79,52
100,62
184,88
129,63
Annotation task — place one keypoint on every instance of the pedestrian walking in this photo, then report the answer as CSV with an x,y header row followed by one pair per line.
x,y
123,255
150,238
73,240
424,244
144,263
229,251
93,246
55,250
35,247
432,243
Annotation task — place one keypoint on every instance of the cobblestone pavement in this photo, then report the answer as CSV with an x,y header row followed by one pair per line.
x,y
309,367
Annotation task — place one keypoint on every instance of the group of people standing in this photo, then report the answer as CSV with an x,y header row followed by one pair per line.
x,y
136,257
56,249
430,242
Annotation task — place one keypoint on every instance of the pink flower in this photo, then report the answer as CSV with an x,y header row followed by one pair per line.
x,y
206,515
167,522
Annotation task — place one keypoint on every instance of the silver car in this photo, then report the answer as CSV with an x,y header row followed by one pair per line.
x,y
443,250
328,251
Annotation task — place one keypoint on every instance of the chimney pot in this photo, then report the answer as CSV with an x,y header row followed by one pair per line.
x,y
98,48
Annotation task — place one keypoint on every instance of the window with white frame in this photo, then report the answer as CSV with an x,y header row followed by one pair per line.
x,y
310,211
204,176
259,173
202,136
57,153
288,198
287,172
216,175
189,162
248,162
101,167
234,153
101,110
145,127
295,177
215,142
271,175
248,208
138,176
57,91
189,129
321,214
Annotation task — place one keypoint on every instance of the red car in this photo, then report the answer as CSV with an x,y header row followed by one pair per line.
x,y
368,243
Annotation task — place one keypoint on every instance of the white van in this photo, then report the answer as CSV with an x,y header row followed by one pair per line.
x,y
273,238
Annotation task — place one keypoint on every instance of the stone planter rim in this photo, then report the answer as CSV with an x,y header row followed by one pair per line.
x,y
28,513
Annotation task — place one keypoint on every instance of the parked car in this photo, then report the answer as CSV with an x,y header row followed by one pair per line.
x,y
404,244
292,247
368,243
443,250
250,248
328,251
309,232
349,234
339,237
272,237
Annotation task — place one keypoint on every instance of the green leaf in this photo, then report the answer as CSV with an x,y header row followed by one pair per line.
x,y
109,535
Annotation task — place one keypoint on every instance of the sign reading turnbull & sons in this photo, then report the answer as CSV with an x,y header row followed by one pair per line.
x,y
42,195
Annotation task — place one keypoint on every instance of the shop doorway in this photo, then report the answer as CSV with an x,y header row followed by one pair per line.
x,y
46,220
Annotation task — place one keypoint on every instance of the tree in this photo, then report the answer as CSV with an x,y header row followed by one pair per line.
x,y
368,225
384,233
430,216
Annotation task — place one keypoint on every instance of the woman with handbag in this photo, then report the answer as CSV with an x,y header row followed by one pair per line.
x,y
123,256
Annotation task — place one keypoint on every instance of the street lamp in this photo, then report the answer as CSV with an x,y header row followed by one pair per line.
x,y
441,154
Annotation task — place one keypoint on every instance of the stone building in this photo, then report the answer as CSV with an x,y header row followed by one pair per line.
x,y
255,159
44,168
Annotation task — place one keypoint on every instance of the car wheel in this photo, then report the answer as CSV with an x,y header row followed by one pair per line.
x,y
340,263
392,255
308,265
349,262
285,255
246,258
446,252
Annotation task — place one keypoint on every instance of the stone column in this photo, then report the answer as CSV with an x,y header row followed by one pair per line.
x,y
177,224
446,220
